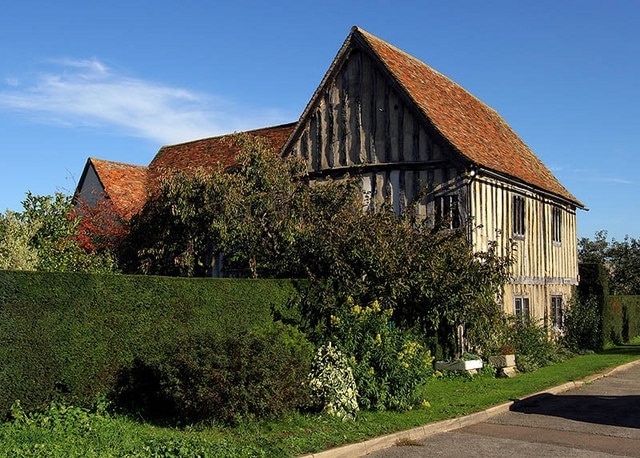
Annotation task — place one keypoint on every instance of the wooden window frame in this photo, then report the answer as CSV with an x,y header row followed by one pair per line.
x,y
447,212
521,308
556,311
556,225
519,216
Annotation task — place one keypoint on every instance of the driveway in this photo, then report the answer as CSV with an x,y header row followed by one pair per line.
x,y
598,418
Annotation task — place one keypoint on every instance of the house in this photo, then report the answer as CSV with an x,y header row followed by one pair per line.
x,y
398,125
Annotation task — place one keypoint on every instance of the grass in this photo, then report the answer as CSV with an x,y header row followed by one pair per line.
x,y
74,433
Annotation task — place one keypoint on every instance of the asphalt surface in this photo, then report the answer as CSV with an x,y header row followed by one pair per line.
x,y
599,417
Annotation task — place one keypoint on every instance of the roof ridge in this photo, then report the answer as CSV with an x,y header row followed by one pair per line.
x,y
287,124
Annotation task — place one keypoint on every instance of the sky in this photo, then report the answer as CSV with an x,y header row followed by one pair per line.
x,y
117,80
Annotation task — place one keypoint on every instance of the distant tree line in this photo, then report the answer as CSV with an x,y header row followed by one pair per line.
x,y
620,257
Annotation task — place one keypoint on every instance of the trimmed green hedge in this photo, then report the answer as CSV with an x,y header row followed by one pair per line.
x,y
69,334
593,289
627,312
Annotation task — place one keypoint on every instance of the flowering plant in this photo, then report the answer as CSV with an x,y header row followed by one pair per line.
x,y
333,388
388,363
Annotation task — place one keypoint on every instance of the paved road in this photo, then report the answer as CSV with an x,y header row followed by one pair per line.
x,y
600,419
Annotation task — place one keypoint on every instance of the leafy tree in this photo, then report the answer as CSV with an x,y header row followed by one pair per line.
x,y
15,251
44,236
267,221
622,259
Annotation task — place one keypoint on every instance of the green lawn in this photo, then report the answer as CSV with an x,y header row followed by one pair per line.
x,y
76,433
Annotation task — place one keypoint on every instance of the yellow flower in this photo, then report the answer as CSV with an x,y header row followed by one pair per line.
x,y
378,339
335,320
425,404
375,306
356,309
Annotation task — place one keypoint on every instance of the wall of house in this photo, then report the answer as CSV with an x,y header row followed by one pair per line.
x,y
543,267
360,123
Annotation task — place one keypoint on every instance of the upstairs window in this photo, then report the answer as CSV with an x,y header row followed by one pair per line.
x,y
556,225
446,212
521,309
518,216
557,312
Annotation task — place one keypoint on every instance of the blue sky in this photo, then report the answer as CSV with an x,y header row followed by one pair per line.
x,y
116,80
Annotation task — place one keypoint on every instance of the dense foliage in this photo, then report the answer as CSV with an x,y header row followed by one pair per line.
x,y
250,375
261,219
68,335
45,236
388,363
622,259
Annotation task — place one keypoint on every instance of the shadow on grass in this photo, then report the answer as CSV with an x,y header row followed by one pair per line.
x,y
624,349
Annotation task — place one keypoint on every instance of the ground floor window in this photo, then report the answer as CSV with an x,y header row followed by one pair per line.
x,y
521,308
557,312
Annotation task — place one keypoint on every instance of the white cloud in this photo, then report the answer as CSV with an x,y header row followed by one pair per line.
x,y
87,92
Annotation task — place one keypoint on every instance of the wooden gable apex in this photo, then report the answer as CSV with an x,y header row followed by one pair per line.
x,y
451,120
360,118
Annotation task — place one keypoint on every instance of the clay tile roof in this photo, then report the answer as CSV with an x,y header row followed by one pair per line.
x,y
124,184
214,152
477,131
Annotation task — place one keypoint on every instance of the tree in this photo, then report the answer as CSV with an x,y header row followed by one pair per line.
x,y
15,251
268,222
44,236
621,258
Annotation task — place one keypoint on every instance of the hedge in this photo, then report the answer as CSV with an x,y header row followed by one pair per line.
x,y
67,335
627,312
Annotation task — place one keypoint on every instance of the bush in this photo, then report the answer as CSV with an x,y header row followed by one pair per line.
x,y
65,336
388,363
255,374
333,388
533,347
583,325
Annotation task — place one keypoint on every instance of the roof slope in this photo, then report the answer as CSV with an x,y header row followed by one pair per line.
x,y
124,184
214,152
477,131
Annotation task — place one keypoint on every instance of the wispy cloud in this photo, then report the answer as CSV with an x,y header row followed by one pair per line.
x,y
588,175
88,92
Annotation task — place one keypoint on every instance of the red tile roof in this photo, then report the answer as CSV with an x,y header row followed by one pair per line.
x,y
477,131
124,184
214,152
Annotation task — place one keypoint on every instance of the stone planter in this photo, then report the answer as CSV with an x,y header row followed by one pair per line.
x,y
505,365
501,361
459,365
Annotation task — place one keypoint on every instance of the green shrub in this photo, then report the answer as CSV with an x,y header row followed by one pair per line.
x,y
388,363
65,336
254,374
533,347
583,324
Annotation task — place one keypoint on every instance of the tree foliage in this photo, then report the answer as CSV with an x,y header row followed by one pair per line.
x,y
267,221
621,258
44,236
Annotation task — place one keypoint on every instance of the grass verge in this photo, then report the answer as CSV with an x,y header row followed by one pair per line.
x,y
73,432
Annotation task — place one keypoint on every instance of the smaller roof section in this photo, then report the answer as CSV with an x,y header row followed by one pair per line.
x,y
214,152
125,185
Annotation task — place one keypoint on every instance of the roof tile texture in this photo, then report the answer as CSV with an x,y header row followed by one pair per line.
x,y
477,131
125,184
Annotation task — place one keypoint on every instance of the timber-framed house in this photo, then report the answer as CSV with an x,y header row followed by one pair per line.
x,y
398,125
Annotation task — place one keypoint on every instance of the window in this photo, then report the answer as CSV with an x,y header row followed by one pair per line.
x,y
521,308
557,312
518,216
446,212
556,224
